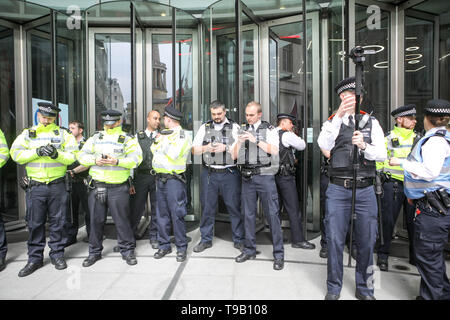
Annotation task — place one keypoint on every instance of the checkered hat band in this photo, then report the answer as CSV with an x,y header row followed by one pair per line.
x,y
438,110
351,85
411,112
171,116
110,118
47,110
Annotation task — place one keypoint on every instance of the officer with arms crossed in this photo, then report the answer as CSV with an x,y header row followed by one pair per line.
x,y
285,179
4,156
170,152
398,143
46,150
338,136
219,174
144,179
254,149
79,191
427,183
111,154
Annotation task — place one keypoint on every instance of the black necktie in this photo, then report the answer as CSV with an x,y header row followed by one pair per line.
x,y
350,121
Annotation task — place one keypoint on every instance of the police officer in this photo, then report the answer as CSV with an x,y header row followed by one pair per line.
x,y
144,179
219,175
398,143
110,154
46,150
170,152
285,179
254,149
339,136
79,191
427,183
4,156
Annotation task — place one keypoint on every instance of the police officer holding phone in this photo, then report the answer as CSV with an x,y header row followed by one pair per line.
x,y
110,154
46,150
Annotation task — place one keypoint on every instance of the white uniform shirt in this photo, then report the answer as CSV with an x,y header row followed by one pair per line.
x,y
290,139
375,151
198,139
434,152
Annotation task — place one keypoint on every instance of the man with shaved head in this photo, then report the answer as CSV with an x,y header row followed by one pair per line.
x,y
144,178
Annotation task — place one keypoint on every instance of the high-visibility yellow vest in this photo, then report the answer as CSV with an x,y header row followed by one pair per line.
x,y
4,151
401,150
170,152
44,169
117,144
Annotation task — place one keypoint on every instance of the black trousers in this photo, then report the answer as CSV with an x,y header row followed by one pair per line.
x,y
79,197
42,201
391,203
3,242
118,202
287,192
145,185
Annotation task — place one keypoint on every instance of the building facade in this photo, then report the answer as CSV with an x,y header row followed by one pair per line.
x,y
134,56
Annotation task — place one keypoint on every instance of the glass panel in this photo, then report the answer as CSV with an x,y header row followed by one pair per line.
x,y
185,85
20,12
274,9
206,66
418,64
69,70
376,66
112,73
153,14
273,79
444,56
40,60
8,173
224,77
249,59
107,14
162,71
336,48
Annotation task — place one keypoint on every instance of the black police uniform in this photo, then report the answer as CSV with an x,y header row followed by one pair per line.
x,y
79,196
223,179
287,189
144,184
339,199
258,180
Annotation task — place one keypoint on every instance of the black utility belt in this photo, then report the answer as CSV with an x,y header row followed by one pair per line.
x,y
163,177
348,182
147,171
37,183
221,170
98,184
438,199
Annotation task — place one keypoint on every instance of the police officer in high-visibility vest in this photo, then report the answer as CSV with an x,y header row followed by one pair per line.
x,y
257,152
110,154
46,150
285,179
4,156
338,135
145,179
398,143
427,185
170,152
219,175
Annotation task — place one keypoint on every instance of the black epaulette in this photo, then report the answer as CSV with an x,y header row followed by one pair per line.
x,y
166,132
31,133
208,124
64,128
121,139
129,134
181,134
100,134
441,133
141,134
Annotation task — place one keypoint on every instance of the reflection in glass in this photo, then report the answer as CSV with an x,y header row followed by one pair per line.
x,y
162,71
418,64
8,173
444,56
112,75
226,79
273,79
376,66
